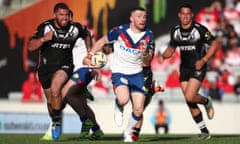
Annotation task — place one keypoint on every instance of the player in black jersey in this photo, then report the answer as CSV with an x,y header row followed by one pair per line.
x,y
192,38
55,38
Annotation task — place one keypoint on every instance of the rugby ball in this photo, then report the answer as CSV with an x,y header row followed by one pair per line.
x,y
99,59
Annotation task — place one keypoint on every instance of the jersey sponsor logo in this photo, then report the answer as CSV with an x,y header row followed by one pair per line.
x,y
187,48
130,50
60,45
208,35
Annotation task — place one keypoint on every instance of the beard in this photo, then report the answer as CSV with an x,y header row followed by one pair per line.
x,y
61,23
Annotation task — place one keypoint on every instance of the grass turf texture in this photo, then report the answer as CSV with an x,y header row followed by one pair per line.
x,y
116,139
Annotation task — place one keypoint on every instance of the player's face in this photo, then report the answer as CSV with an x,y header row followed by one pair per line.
x,y
185,16
139,19
62,17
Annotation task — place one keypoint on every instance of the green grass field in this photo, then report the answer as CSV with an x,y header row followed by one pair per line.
x,y
116,139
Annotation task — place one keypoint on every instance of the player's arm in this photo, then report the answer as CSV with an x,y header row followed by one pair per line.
x,y
211,51
98,46
168,51
147,53
214,44
108,38
108,48
147,58
39,39
89,39
34,44
210,40
165,53
88,42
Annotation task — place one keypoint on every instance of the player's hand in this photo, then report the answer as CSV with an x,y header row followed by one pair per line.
x,y
89,63
144,47
48,36
199,64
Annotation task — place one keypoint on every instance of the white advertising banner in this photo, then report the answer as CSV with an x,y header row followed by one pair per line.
x,y
35,123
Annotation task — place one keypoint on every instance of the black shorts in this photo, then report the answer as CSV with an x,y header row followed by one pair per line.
x,y
148,75
187,73
148,78
45,73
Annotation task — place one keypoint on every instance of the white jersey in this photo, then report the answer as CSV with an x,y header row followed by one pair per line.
x,y
126,57
79,52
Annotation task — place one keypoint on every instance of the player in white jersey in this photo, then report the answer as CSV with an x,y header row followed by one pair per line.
x,y
79,52
132,45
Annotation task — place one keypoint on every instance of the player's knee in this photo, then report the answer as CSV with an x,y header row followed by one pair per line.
x,y
138,111
189,98
123,101
55,93
54,89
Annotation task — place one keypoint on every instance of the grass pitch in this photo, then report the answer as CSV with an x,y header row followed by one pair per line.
x,y
116,139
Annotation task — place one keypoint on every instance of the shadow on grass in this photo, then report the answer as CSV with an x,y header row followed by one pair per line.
x,y
106,137
165,138
225,136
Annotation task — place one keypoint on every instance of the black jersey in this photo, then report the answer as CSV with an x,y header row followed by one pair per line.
x,y
58,51
192,43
